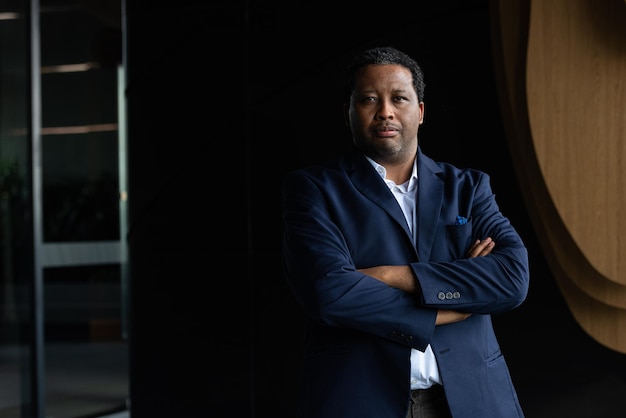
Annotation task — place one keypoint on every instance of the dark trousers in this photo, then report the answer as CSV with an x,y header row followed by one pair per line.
x,y
429,403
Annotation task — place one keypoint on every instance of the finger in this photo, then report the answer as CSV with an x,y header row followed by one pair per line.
x,y
486,249
473,247
477,248
481,248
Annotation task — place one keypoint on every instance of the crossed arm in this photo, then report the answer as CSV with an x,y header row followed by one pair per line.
x,y
402,278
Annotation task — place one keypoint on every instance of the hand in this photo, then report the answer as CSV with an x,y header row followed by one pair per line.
x,y
481,248
400,277
446,316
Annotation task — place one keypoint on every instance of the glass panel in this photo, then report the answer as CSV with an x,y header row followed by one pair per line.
x,y
80,175
80,187
16,246
86,350
86,88
83,260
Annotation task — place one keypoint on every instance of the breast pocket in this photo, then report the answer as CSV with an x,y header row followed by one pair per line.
x,y
459,239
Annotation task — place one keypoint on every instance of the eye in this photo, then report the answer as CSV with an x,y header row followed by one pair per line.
x,y
368,99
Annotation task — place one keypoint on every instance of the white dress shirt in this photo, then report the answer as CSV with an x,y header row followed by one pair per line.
x,y
424,370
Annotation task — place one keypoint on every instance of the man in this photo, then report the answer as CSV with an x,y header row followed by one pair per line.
x,y
399,261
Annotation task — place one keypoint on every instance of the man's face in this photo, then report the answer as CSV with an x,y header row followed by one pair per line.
x,y
385,114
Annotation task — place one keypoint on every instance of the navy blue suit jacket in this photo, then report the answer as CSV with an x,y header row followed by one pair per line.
x,y
340,217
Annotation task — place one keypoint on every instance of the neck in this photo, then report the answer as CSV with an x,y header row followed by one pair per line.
x,y
398,172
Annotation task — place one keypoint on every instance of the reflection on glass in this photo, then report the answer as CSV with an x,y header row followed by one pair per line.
x,y
86,353
85,345
82,260
16,245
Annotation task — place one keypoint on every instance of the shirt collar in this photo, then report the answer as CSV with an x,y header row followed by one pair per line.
x,y
382,172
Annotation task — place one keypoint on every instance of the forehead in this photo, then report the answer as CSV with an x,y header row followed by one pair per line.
x,y
376,76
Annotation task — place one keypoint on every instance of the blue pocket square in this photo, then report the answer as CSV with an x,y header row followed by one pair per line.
x,y
460,220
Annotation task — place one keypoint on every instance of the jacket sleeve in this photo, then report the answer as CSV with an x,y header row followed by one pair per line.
x,y
322,274
491,284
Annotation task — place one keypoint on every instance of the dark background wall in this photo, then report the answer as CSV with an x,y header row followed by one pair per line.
x,y
223,99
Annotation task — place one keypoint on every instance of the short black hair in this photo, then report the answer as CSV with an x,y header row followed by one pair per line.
x,y
383,55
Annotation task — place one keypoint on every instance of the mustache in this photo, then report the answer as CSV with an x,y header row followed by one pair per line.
x,y
387,126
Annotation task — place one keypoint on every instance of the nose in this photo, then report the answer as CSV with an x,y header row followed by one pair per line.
x,y
385,110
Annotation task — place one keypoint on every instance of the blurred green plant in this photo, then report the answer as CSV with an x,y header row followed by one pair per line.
x,y
10,180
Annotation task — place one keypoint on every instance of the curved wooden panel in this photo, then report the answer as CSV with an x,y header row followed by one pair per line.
x,y
603,323
576,94
597,302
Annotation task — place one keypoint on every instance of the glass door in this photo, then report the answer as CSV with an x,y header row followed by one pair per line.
x,y
69,351
82,199
17,327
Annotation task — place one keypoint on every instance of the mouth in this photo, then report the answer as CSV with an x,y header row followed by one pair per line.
x,y
386,131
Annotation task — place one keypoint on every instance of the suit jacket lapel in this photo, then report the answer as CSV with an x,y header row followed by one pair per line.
x,y
429,201
368,182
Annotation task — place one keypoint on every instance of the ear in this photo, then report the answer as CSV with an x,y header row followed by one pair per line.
x,y
421,112
346,114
